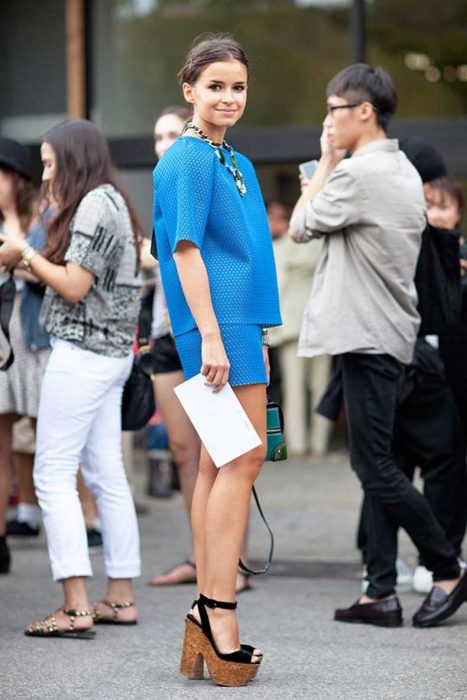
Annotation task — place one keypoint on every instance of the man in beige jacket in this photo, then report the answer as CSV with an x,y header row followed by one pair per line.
x,y
370,210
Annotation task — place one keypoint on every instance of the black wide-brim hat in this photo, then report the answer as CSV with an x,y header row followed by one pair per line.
x,y
15,156
426,158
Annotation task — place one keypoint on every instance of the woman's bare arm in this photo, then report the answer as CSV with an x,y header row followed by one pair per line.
x,y
70,281
195,284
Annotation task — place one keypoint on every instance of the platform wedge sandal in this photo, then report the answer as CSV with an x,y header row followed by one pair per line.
x,y
199,648
246,647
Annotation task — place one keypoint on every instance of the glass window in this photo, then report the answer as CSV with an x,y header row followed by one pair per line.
x,y
138,46
32,59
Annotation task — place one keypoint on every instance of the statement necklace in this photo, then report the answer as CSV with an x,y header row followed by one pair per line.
x,y
233,169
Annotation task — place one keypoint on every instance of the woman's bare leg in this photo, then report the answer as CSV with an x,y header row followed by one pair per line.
x,y
6,429
24,464
119,590
185,447
220,515
183,440
88,503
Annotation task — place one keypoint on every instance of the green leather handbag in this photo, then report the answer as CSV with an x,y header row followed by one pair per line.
x,y
277,449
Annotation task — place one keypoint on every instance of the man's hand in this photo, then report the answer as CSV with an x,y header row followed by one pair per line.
x,y
328,150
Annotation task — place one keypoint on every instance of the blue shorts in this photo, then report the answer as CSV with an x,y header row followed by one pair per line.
x,y
244,348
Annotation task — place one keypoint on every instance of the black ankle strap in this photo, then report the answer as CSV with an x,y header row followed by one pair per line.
x,y
211,603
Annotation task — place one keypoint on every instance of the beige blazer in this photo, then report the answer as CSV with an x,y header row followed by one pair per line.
x,y
371,215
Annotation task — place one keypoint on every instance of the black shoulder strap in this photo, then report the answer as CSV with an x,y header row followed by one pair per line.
x,y
7,299
267,566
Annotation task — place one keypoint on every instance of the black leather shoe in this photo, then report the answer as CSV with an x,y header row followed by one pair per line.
x,y
384,613
5,558
438,605
18,528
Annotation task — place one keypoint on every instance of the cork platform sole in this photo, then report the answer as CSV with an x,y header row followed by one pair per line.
x,y
197,650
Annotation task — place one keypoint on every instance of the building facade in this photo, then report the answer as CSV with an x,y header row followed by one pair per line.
x,y
115,62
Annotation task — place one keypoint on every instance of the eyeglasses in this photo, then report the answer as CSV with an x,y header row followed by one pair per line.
x,y
330,109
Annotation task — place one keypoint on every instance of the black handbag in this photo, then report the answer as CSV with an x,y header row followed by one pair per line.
x,y
7,300
138,404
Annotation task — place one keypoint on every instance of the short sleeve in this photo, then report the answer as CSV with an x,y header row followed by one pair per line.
x,y
184,193
93,245
337,205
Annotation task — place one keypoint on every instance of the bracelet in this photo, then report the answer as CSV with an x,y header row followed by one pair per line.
x,y
27,254
266,338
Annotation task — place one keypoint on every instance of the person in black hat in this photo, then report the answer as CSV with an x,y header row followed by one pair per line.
x,y
425,158
15,157
19,384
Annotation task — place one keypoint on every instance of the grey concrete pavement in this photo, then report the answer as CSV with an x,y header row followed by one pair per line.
x,y
313,511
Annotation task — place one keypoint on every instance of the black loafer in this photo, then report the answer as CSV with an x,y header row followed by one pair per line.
x,y
18,528
5,558
383,613
438,605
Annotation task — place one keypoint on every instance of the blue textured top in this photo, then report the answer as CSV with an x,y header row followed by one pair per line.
x,y
196,199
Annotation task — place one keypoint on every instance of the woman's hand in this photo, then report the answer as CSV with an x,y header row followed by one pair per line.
x,y
148,262
10,250
216,366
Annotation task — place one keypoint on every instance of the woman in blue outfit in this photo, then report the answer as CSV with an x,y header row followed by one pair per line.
x,y
218,273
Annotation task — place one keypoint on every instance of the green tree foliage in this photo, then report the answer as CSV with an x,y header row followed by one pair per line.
x,y
294,52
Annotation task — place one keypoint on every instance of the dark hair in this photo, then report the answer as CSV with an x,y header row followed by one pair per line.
x,y
452,187
183,112
83,163
25,197
207,49
424,157
362,82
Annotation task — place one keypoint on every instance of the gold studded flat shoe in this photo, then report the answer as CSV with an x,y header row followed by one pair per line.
x,y
48,626
114,615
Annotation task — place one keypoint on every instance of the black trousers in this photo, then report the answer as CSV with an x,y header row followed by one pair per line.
x,y
372,388
427,434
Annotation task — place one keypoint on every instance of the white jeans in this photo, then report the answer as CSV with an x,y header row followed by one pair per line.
x,y
79,424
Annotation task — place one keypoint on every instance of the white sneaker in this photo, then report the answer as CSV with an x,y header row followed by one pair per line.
x,y
365,582
422,580
404,573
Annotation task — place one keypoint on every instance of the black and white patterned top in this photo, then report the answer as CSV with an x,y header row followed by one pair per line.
x,y
102,242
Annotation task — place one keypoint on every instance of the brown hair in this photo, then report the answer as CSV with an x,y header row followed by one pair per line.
x,y
82,163
452,187
25,197
207,49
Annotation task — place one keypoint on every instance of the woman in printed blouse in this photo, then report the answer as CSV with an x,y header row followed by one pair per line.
x,y
218,272
90,310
